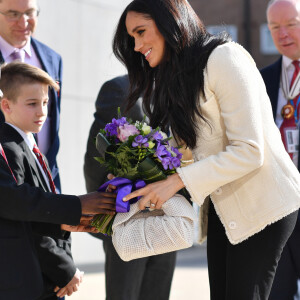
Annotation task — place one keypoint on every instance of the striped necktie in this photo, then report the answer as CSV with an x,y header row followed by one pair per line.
x,y
18,54
41,160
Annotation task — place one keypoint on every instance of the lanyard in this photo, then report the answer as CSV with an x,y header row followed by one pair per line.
x,y
4,156
296,109
294,90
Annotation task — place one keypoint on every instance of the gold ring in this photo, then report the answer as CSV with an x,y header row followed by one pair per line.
x,y
152,204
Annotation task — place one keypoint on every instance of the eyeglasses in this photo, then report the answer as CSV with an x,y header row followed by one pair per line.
x,y
14,15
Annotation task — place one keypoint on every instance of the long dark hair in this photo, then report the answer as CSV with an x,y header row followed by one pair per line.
x,y
171,90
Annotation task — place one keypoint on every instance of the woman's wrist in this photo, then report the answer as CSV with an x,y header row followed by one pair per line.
x,y
176,182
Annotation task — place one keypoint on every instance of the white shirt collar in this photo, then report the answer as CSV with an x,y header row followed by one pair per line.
x,y
7,49
287,62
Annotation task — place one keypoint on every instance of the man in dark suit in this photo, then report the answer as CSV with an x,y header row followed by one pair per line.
x,y
281,79
20,276
141,279
18,19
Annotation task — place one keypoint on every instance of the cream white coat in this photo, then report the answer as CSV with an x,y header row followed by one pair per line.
x,y
240,160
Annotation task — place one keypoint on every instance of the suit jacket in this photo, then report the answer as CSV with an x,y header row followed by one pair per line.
x,y
271,76
54,254
51,63
240,160
20,276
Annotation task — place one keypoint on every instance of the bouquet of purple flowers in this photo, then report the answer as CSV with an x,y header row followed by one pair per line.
x,y
136,154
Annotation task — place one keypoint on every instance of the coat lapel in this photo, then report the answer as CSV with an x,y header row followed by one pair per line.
x,y
44,58
271,76
35,169
274,91
38,177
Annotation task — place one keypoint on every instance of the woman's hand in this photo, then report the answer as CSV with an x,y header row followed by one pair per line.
x,y
157,193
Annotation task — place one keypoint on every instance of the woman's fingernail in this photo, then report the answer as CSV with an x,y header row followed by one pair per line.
x,y
124,199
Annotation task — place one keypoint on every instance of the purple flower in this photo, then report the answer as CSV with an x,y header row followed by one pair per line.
x,y
165,161
125,131
176,151
112,128
157,136
120,122
161,151
175,162
140,141
170,162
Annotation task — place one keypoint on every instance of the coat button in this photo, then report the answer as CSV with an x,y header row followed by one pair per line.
x,y
232,225
218,191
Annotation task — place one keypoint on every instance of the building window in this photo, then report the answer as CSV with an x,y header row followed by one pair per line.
x,y
231,29
267,46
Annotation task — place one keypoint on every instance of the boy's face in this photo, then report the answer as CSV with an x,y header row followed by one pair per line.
x,y
29,111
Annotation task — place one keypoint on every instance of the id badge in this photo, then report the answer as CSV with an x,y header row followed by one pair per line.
x,y
292,139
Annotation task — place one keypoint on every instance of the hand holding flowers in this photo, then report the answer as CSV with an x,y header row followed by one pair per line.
x,y
158,192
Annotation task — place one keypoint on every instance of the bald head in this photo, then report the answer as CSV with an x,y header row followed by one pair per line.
x,y
271,2
284,24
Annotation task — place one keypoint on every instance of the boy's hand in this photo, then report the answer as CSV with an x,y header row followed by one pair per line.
x,y
83,226
79,228
98,203
72,286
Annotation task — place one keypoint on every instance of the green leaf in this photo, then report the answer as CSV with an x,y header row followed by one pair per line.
x,y
101,160
149,171
103,223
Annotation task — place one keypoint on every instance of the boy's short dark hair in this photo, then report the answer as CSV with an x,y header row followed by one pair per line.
x,y
15,74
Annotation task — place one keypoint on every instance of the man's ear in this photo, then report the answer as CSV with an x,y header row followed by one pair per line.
x,y
5,105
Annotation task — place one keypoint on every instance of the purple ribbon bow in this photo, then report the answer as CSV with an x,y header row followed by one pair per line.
x,y
124,187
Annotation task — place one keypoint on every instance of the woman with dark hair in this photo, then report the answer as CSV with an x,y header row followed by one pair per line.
x,y
208,91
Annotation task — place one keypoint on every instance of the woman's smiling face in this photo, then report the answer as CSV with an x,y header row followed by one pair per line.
x,y
147,38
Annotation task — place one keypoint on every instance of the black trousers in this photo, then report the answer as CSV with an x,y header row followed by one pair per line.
x,y
285,285
146,278
245,271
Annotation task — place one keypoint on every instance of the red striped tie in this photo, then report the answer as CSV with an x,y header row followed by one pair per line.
x,y
40,158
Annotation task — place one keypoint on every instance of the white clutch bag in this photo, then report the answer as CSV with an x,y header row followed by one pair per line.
x,y
139,234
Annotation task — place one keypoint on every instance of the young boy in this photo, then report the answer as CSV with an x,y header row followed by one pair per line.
x,y
24,105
